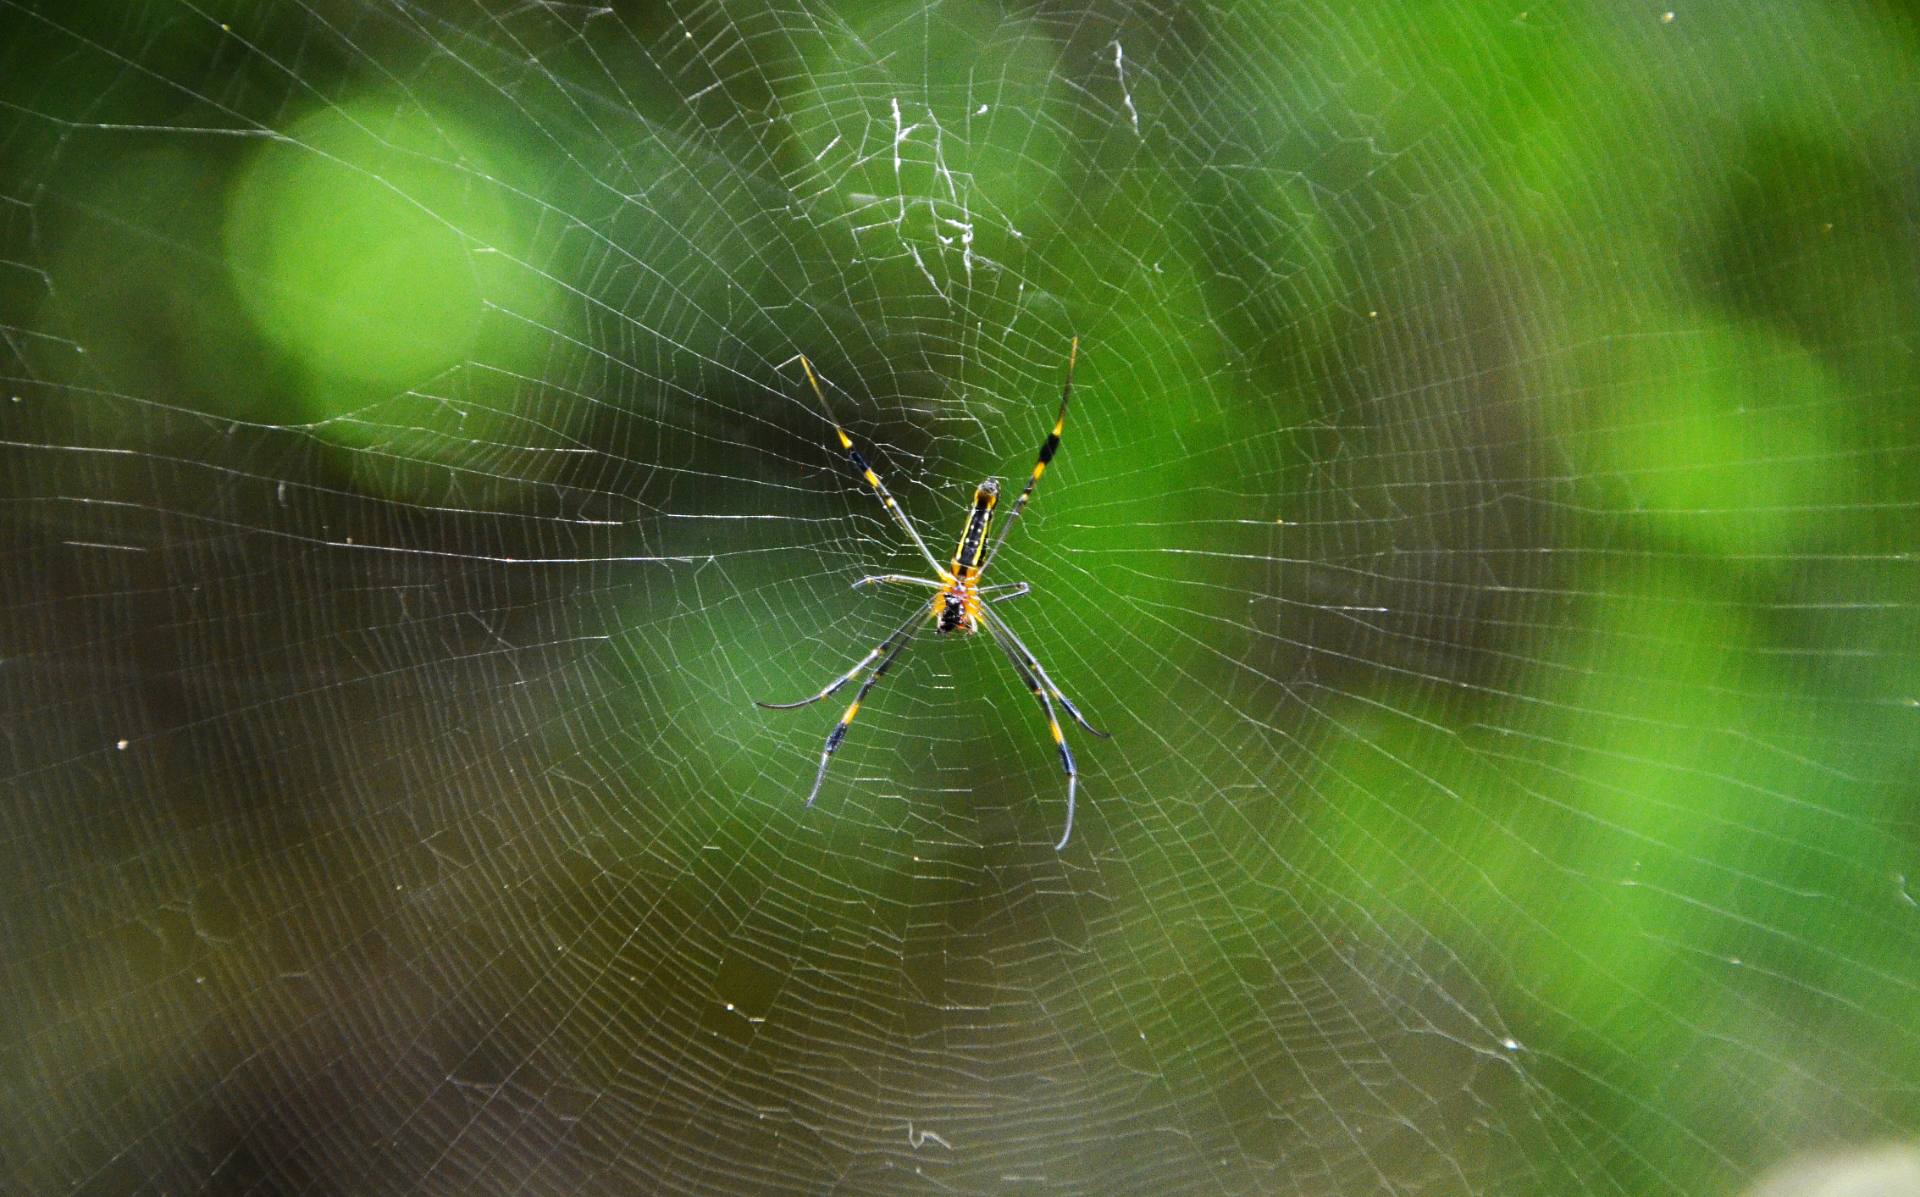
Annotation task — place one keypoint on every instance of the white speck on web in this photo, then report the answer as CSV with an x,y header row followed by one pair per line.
x,y
1126,97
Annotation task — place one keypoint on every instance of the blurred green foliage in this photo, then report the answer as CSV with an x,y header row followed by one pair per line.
x,y
1488,519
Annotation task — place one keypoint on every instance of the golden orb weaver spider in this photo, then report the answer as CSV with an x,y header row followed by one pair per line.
x,y
959,601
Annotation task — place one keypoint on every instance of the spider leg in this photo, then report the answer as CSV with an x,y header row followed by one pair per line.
x,y
890,643
902,579
1053,725
998,624
839,731
1048,448
1005,591
887,500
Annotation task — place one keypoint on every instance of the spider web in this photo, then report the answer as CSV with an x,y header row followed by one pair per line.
x,y
1485,524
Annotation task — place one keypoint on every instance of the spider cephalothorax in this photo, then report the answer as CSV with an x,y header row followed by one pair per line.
x,y
951,613
959,606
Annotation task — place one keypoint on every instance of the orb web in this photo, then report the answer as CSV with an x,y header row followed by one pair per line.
x,y
1485,524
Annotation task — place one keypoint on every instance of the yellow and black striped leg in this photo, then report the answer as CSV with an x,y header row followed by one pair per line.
x,y
1066,762
887,650
1039,689
1012,642
839,731
1048,448
891,643
872,479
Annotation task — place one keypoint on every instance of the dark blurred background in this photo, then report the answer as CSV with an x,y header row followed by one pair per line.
x,y
1486,523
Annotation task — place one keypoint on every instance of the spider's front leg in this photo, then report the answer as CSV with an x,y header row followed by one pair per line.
x,y
888,646
1040,688
1017,648
887,651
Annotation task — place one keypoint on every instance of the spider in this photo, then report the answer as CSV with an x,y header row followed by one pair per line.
x,y
959,601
